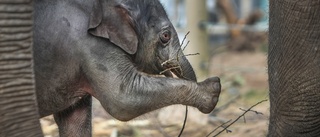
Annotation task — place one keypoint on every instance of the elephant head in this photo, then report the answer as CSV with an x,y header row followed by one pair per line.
x,y
143,30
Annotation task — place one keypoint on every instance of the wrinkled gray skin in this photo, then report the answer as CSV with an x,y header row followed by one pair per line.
x,y
19,115
294,68
112,50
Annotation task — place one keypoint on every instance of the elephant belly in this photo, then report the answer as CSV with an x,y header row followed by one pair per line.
x,y
50,102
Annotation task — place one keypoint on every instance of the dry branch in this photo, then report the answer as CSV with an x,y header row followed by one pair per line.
x,y
168,69
242,115
184,122
218,127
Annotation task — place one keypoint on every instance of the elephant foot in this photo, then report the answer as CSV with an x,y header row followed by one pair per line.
x,y
209,99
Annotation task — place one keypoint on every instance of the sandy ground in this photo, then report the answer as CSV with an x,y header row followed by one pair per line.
x,y
244,81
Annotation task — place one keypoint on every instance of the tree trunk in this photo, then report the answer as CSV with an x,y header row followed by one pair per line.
x,y
196,12
294,68
231,16
18,108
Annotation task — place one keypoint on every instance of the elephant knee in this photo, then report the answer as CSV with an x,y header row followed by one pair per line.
x,y
123,110
122,116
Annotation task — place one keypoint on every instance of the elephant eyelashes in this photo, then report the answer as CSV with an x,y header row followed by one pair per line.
x,y
165,36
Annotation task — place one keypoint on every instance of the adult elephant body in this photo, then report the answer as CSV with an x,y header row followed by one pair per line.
x,y
18,106
294,68
113,50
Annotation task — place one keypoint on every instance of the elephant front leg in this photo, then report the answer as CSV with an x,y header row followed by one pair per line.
x,y
126,93
75,121
130,94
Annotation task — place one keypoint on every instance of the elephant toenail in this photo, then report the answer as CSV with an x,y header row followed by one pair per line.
x,y
217,86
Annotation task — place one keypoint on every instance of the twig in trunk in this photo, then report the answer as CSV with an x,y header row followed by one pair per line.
x,y
168,69
186,45
177,58
193,54
185,37
172,59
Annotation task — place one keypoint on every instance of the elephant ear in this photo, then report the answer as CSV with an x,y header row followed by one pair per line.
x,y
114,23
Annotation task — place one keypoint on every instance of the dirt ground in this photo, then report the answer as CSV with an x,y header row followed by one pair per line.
x,y
244,82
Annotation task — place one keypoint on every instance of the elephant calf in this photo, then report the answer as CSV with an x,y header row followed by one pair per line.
x,y
113,50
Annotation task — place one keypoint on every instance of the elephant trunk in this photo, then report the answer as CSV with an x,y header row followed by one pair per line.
x,y
187,71
181,67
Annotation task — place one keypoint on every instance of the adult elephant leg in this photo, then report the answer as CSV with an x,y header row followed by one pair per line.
x,y
75,121
18,109
294,68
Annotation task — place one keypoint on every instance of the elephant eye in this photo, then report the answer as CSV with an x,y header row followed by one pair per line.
x,y
165,36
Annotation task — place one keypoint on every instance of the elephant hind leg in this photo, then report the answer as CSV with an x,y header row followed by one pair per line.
x,y
75,121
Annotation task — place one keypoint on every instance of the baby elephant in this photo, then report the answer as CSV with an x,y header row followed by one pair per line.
x,y
122,52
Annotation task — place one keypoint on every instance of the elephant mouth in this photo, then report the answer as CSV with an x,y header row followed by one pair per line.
x,y
174,68
171,69
180,68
